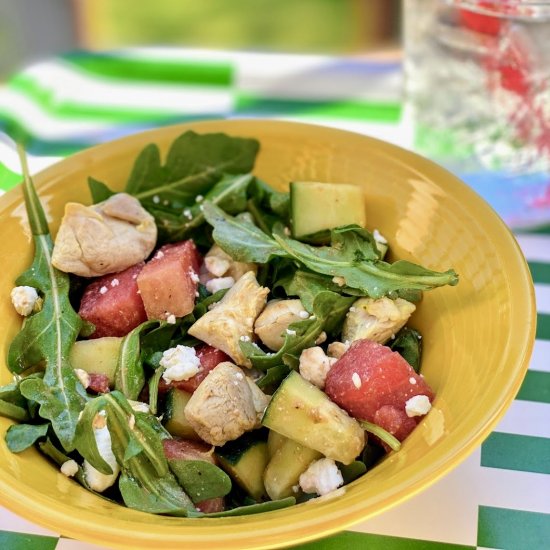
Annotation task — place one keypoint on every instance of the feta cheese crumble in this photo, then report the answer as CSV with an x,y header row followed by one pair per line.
x,y
171,319
181,363
378,237
419,405
194,277
356,379
321,477
69,468
115,282
303,314
290,332
103,290
340,281
139,406
412,380
219,283
187,213
199,198
95,479
314,365
24,299
83,376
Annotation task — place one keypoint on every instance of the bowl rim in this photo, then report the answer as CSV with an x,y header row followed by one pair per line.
x,y
25,504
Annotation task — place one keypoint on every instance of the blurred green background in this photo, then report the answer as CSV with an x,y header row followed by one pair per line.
x,y
32,29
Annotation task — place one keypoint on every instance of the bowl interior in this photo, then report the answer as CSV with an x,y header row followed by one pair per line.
x,y
477,336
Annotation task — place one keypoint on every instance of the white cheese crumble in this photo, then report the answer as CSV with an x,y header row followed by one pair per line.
x,y
321,477
314,365
419,405
159,255
216,265
83,376
340,281
95,479
356,379
23,299
244,338
187,213
139,406
199,198
69,468
181,363
171,318
219,283
412,380
115,282
378,237
194,277
156,199
103,290
303,314
290,332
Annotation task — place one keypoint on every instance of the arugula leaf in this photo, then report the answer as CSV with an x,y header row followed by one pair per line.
x,y
353,257
47,336
273,377
241,239
257,508
200,479
194,163
306,285
408,343
147,170
130,375
20,437
229,193
99,191
15,412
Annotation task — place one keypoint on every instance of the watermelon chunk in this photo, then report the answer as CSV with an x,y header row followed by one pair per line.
x,y
168,282
373,383
209,357
99,383
112,303
183,449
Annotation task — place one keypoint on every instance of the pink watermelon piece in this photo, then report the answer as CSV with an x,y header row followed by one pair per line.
x,y
99,383
169,281
112,303
372,382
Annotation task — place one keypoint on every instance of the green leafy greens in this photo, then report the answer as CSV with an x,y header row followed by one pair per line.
x,y
47,336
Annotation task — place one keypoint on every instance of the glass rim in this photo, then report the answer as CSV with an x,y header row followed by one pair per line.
x,y
508,9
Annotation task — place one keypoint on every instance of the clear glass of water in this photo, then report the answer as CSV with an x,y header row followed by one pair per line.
x,y
478,87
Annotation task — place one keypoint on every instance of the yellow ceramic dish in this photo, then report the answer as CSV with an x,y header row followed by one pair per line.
x,y
478,336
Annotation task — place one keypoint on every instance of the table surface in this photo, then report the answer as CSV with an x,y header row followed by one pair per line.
x,y
500,496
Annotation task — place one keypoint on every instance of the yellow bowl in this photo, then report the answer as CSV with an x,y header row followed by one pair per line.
x,y
478,336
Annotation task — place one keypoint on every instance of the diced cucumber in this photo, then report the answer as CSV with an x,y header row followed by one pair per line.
x,y
174,416
97,356
302,412
283,472
245,460
274,441
316,206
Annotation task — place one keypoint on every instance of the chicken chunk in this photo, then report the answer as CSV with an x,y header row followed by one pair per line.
x,y
233,318
376,320
222,407
107,237
220,264
274,320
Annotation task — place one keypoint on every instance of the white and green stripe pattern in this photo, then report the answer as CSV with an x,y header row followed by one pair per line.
x,y
500,496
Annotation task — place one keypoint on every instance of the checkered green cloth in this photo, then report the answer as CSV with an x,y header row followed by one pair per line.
x,y
500,496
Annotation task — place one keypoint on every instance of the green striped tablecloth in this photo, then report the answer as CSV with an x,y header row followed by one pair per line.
x,y
500,496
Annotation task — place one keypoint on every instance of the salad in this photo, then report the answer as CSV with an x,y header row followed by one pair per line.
x,y
202,344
